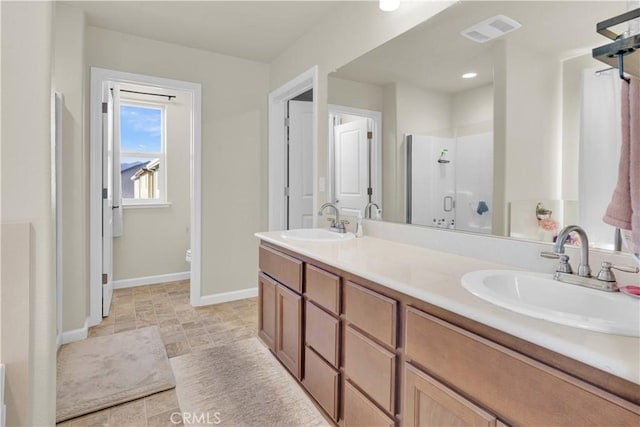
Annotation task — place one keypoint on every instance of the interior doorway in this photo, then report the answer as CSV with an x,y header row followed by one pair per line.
x,y
299,165
293,152
355,161
107,169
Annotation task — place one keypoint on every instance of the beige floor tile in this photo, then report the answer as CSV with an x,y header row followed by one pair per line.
x,y
101,330
195,332
177,348
171,337
168,418
124,326
199,341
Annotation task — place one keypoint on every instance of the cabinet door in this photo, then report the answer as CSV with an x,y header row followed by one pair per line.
x,y
428,403
289,332
267,310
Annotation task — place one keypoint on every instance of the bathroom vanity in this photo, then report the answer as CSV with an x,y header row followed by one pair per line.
x,y
382,333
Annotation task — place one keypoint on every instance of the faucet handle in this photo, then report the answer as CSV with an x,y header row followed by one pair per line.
x,y
550,255
606,275
563,265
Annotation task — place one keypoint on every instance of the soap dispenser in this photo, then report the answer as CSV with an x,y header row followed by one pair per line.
x,y
359,231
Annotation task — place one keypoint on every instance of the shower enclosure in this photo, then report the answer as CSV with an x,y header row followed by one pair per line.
x,y
450,181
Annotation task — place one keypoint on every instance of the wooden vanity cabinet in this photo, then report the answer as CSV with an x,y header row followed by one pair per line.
x,y
371,356
280,307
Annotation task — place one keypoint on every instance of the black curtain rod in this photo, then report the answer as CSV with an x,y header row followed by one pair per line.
x,y
170,97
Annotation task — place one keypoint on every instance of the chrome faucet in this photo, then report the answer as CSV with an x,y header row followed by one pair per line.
x,y
336,224
367,209
605,280
583,269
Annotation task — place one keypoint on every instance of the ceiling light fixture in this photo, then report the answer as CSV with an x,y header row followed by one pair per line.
x,y
389,5
469,75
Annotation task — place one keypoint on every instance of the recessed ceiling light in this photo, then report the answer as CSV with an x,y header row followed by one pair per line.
x,y
389,5
469,75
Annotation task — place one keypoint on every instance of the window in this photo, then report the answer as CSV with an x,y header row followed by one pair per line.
x,y
142,154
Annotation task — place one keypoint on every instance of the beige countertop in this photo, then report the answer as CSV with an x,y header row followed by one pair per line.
x,y
434,277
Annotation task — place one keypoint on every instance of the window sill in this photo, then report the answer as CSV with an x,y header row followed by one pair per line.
x,y
147,205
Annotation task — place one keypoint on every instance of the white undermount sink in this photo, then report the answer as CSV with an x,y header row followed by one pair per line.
x,y
538,295
316,235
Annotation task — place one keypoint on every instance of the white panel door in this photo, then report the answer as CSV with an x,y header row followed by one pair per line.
x,y
352,167
300,201
107,202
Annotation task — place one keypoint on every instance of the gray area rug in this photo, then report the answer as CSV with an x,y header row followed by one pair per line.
x,y
101,372
240,384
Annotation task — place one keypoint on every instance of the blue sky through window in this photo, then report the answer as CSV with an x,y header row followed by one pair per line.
x,y
140,129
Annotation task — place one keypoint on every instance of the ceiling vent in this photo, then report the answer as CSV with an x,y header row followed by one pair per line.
x,y
491,28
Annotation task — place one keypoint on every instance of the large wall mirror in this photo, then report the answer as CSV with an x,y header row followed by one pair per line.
x,y
525,146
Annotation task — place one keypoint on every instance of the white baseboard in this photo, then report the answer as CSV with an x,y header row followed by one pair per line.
x,y
226,297
76,334
151,280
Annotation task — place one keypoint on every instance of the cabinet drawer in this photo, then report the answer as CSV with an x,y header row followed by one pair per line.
x,y
322,333
371,367
428,402
518,389
371,312
359,411
321,380
323,288
285,269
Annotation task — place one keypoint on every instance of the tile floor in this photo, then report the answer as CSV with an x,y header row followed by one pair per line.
x,y
184,329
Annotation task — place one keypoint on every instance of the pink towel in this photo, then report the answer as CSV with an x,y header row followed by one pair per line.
x,y
624,209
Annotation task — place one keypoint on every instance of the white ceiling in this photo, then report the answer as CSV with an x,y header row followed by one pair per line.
x,y
434,55
255,30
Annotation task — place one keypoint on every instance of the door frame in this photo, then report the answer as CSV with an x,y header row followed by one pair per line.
x,y
99,76
376,160
277,144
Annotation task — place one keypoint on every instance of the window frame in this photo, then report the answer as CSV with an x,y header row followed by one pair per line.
x,y
161,156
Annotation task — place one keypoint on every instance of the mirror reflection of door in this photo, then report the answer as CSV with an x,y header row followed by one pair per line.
x,y
300,162
354,164
351,166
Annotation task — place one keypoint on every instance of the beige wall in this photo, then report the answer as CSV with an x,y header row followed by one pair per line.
x,y
234,99
26,46
472,110
155,239
68,78
355,94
